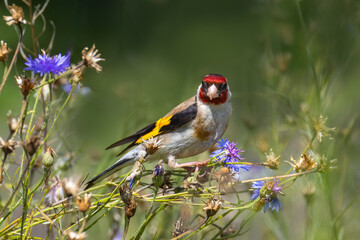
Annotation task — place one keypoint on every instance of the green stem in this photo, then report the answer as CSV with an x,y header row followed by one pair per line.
x,y
141,229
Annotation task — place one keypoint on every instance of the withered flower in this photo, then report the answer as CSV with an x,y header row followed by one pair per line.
x,y
179,228
136,173
326,165
25,84
309,192
76,235
71,186
305,163
13,124
320,129
77,72
272,161
212,206
32,144
152,145
91,57
4,51
225,178
83,203
8,146
56,192
128,199
17,15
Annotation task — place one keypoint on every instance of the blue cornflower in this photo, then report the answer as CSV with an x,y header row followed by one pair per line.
x,y
229,153
275,204
256,186
44,64
268,194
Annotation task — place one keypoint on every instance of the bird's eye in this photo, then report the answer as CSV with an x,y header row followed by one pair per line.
x,y
204,85
222,87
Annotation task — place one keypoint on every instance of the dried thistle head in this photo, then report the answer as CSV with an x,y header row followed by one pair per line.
x,y
83,203
308,192
325,165
225,178
4,51
25,84
305,163
71,186
212,206
77,72
320,129
56,192
13,124
32,144
75,235
128,199
152,145
91,57
272,161
179,228
8,146
17,15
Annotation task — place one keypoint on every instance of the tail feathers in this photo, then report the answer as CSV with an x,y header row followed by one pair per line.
x,y
126,160
114,168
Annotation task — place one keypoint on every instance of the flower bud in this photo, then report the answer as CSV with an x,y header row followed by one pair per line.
x,y
158,174
48,158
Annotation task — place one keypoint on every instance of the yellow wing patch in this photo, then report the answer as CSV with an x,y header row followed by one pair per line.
x,y
156,131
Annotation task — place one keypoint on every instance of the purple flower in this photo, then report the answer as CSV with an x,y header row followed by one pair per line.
x,y
275,204
229,153
271,189
256,186
82,90
44,64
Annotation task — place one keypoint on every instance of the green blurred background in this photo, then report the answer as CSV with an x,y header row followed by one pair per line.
x,y
157,53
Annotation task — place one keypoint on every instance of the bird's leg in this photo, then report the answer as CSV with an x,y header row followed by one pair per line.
x,y
174,164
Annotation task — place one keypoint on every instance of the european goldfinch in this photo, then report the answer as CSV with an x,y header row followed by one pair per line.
x,y
189,129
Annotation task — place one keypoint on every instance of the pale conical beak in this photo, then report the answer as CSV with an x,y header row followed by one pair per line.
x,y
213,92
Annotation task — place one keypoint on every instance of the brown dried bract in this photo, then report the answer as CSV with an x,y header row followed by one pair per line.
x,y
4,51
17,15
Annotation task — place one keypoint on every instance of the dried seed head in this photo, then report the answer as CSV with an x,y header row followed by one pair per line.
x,y
17,15
91,57
56,192
13,124
305,163
128,199
32,144
320,129
48,158
136,173
77,73
75,235
25,84
212,206
179,228
83,203
272,161
309,192
326,165
8,146
4,51
152,145
71,186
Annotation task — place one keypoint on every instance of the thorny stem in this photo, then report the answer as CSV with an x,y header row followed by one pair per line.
x,y
14,57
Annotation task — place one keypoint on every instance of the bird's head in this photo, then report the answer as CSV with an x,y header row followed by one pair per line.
x,y
214,89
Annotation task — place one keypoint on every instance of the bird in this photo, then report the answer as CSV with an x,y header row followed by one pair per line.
x,y
192,127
